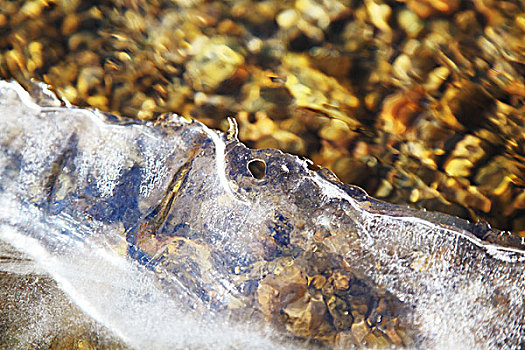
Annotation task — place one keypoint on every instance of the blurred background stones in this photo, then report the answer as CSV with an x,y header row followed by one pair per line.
x,y
418,102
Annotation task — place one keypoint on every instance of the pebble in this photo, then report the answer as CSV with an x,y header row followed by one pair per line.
x,y
214,65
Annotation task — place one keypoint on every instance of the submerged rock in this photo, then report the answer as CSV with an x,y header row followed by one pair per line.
x,y
172,235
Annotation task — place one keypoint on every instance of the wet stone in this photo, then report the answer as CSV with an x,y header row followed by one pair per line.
x,y
213,67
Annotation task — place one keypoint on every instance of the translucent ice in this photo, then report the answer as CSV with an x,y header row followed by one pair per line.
x,y
172,235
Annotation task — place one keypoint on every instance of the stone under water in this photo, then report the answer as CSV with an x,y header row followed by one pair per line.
x,y
168,234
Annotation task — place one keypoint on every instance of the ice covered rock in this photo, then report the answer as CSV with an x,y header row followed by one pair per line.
x,y
173,235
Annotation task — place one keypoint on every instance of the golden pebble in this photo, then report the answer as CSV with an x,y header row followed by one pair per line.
x,y
35,48
15,60
376,340
410,23
287,18
33,8
436,78
318,281
520,21
70,93
84,344
359,330
89,77
341,281
414,195
384,190
379,13
401,68
70,24
212,66
336,131
285,140
372,100
148,104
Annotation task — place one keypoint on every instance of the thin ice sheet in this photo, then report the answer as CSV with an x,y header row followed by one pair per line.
x,y
164,235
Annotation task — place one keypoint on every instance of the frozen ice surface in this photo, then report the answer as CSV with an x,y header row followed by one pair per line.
x,y
160,234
